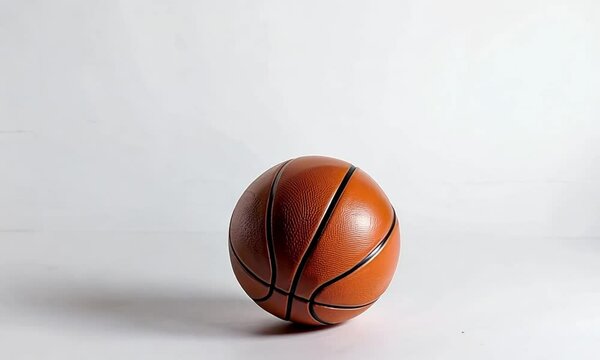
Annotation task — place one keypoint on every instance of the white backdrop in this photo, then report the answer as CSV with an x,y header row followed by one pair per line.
x,y
480,119
155,115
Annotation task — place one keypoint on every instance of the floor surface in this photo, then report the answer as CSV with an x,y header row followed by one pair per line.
x,y
104,295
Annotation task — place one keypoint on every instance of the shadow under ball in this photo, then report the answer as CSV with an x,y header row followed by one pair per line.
x,y
314,240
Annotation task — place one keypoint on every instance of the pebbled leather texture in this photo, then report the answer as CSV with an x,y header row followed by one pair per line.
x,y
247,228
303,193
314,240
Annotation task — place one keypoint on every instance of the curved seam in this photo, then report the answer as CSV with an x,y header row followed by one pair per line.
x,y
257,278
317,235
299,298
374,252
245,267
344,306
269,230
339,307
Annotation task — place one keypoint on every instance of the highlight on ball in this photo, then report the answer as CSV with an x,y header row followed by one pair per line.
x,y
314,240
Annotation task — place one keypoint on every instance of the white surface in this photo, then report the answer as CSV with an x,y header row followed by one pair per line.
x,y
173,296
129,129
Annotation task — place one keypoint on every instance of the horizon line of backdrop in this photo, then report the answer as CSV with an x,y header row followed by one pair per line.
x,y
474,117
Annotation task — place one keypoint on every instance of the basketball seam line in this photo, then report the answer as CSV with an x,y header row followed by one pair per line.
x,y
371,255
283,292
269,230
314,241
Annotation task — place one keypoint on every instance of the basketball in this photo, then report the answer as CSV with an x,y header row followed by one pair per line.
x,y
314,240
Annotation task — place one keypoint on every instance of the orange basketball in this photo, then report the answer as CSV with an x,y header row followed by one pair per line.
x,y
314,240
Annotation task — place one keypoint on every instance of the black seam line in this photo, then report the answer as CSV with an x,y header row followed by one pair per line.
x,y
305,300
269,230
252,274
257,278
299,298
340,307
333,306
313,242
343,306
376,250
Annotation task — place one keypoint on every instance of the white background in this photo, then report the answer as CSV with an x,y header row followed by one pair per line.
x,y
128,129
